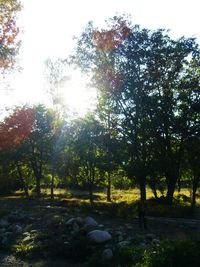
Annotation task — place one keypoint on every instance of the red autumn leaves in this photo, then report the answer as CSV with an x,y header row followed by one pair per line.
x,y
107,41
111,39
16,128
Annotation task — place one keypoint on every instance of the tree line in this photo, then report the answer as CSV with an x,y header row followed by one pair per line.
x,y
145,127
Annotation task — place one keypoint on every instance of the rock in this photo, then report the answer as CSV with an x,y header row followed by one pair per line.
x,y
33,231
28,227
70,221
99,236
107,254
5,241
4,223
120,238
7,234
143,244
26,239
129,227
75,227
123,243
26,233
16,217
17,229
90,221
150,236
2,230
156,241
79,220
6,237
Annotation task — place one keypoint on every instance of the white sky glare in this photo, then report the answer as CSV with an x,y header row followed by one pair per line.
x,y
49,27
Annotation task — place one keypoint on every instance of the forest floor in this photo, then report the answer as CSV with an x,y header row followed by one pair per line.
x,y
29,226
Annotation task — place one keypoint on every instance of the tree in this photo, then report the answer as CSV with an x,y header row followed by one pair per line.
x,y
14,131
56,77
140,71
39,145
8,32
17,127
109,143
85,145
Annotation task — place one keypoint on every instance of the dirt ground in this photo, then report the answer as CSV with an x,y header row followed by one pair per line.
x,y
42,211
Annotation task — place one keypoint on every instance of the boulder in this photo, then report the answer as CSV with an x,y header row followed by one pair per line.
x,y
99,236
90,221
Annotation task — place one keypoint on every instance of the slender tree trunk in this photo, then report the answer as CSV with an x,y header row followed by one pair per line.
x,y
179,185
142,184
38,189
26,191
194,190
91,194
24,185
52,184
154,192
109,188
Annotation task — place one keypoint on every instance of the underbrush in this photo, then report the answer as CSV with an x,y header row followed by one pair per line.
x,y
167,253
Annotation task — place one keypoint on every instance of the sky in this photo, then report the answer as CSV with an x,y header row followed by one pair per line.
x,y
48,28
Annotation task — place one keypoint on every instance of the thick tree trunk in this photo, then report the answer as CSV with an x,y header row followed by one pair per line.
x,y
171,184
109,188
142,184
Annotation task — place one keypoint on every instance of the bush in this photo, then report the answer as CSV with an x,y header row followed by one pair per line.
x,y
127,255
179,253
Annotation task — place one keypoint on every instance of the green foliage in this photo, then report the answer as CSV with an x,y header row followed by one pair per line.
x,y
149,82
128,255
179,253
27,250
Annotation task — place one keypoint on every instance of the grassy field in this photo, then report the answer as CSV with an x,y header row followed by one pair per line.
x,y
128,196
124,203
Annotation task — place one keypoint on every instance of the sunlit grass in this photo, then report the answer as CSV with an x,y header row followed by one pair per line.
x,y
117,195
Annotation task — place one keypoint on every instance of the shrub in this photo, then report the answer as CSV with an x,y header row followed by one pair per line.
x,y
179,253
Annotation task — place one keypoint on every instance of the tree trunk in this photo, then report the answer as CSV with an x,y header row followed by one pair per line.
x,y
24,185
179,185
91,194
38,189
52,185
142,184
171,188
154,192
194,189
26,191
109,188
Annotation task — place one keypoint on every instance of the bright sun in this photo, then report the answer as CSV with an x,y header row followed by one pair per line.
x,y
78,97
75,93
